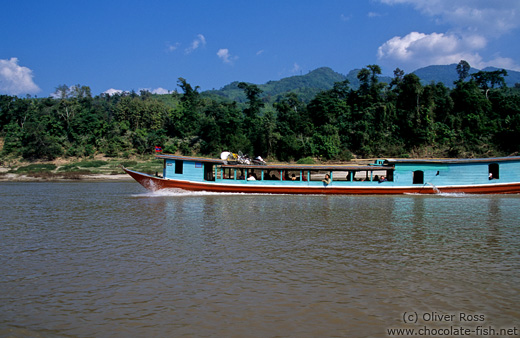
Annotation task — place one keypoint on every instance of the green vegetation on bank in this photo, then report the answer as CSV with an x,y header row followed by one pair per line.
x,y
480,117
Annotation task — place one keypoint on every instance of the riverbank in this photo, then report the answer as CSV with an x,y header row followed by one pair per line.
x,y
9,177
75,169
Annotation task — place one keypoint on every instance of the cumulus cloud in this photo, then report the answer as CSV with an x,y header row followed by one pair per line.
x,y
160,91
472,24
198,42
488,18
417,50
225,55
113,91
16,79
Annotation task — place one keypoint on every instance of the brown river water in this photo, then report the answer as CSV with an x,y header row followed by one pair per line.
x,y
109,259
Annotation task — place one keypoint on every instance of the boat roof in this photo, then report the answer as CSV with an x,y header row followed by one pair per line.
x,y
451,160
386,164
272,166
190,158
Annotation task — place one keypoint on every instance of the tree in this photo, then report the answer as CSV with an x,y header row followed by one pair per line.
x,y
253,99
398,78
487,80
190,110
252,123
62,92
463,68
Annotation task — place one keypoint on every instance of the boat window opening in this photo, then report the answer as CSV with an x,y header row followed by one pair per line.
x,y
418,177
273,175
257,174
382,175
362,175
241,174
318,175
390,175
341,175
494,171
292,175
179,166
228,173
209,173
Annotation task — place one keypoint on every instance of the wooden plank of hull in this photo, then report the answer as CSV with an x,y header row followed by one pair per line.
x,y
156,183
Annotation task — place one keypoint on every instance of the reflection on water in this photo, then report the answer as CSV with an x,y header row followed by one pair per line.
x,y
110,260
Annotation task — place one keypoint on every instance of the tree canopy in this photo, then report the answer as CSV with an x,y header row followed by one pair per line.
x,y
479,117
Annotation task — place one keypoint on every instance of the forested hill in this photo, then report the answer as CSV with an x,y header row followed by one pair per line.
x,y
308,85
305,86
448,75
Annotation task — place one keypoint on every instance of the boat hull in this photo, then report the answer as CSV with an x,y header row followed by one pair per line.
x,y
154,183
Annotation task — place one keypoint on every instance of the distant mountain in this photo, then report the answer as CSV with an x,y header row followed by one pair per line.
x,y
448,74
308,85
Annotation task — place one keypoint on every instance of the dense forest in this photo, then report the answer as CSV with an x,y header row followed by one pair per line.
x,y
478,117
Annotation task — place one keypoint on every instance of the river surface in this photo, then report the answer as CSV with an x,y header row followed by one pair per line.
x,y
109,259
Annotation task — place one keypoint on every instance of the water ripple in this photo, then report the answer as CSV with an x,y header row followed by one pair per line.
x,y
111,260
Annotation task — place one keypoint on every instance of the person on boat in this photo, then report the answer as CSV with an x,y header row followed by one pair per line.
x,y
382,179
293,177
251,177
326,180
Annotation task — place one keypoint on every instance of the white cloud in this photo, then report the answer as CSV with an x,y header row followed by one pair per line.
x,y
160,91
15,79
198,42
225,56
488,18
417,50
373,15
113,91
296,68
345,18
472,24
172,48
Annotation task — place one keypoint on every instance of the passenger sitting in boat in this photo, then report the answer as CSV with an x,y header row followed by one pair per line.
x,y
251,177
293,177
382,179
326,180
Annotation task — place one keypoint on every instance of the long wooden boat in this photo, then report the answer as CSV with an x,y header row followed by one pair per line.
x,y
388,176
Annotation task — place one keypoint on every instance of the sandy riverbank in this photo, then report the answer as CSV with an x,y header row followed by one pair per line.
x,y
99,168
9,177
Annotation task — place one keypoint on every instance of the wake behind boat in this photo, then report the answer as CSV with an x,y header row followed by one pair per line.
x,y
385,176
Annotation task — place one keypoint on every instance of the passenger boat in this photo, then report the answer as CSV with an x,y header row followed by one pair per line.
x,y
385,176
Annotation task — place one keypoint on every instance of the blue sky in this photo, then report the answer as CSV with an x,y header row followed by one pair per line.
x,y
133,45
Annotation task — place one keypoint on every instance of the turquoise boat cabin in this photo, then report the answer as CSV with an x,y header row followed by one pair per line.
x,y
389,172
